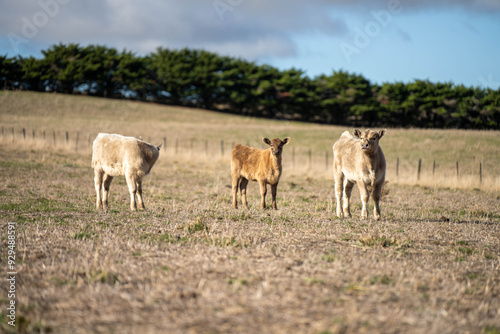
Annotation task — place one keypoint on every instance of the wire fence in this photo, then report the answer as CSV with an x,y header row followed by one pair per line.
x,y
468,173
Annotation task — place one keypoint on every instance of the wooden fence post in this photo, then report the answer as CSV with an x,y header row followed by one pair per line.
x,y
222,147
419,169
480,173
397,167
457,171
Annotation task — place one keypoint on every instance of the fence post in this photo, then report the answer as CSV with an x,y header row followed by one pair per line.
x,y
24,133
222,147
326,159
397,167
76,140
480,173
165,143
206,147
457,170
67,137
419,169
433,168
54,135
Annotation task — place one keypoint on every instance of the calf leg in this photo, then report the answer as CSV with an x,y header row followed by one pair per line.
x,y
236,181
263,192
105,191
243,189
365,196
98,175
339,183
347,197
132,189
139,195
377,192
274,190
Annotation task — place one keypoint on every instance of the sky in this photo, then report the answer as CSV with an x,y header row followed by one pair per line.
x,y
454,41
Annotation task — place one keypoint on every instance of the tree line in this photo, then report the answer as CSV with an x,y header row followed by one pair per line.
x,y
207,80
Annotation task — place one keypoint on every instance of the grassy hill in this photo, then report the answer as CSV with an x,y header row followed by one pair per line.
x,y
191,263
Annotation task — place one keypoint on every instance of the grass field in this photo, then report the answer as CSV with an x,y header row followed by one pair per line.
x,y
192,264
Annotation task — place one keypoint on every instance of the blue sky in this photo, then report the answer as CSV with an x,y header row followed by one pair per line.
x,y
384,40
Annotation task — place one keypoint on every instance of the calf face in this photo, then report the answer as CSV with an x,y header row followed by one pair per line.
x,y
276,145
369,139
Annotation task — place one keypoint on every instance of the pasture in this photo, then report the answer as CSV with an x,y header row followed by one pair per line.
x,y
193,264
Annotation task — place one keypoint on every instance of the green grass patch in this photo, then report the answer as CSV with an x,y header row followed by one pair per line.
x,y
84,235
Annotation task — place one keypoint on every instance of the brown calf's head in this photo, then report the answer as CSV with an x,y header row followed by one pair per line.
x,y
369,139
276,145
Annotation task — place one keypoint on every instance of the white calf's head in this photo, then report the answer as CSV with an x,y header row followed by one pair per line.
x,y
369,139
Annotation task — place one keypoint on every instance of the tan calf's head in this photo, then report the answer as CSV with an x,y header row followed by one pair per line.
x,y
276,145
369,139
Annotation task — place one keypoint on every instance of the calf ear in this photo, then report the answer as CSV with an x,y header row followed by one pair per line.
x,y
357,133
159,146
381,133
267,141
286,140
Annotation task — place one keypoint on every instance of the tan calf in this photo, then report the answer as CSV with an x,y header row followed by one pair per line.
x,y
114,155
263,166
359,159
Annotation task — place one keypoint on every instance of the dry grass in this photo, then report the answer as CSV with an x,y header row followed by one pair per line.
x,y
192,264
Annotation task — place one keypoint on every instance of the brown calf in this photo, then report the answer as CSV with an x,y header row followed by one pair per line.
x,y
263,166
114,155
359,159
